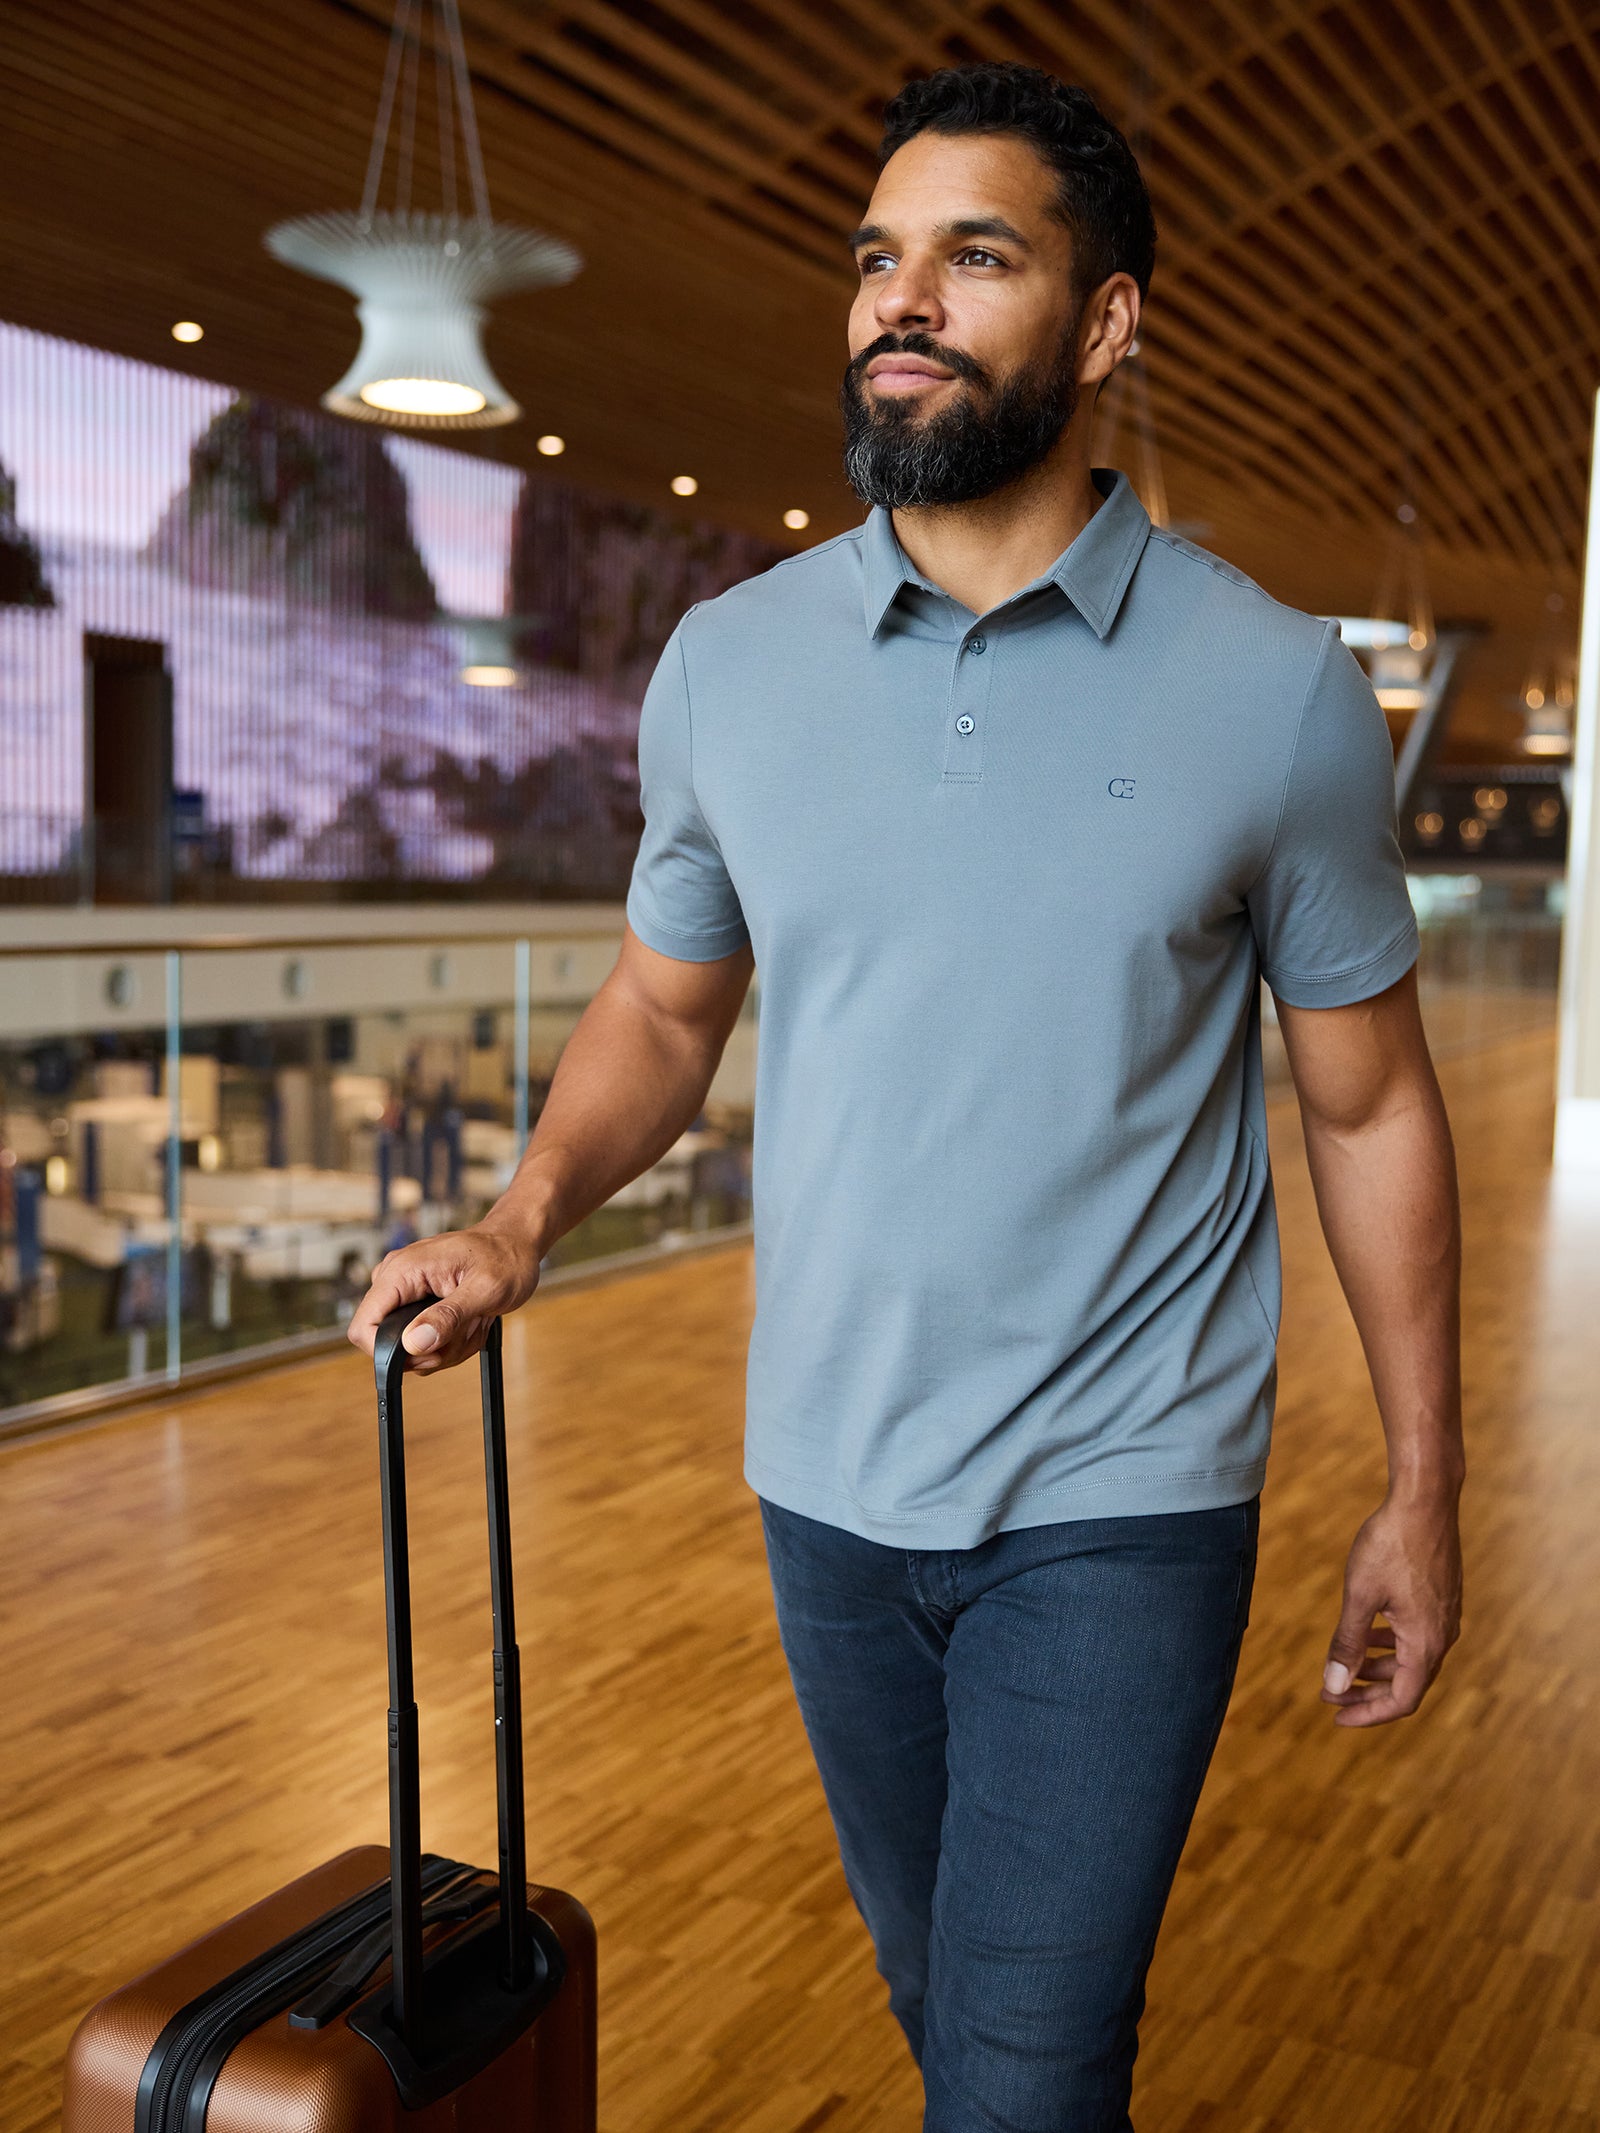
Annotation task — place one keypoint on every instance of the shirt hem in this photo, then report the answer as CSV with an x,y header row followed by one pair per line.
x,y
1359,981
686,947
968,1526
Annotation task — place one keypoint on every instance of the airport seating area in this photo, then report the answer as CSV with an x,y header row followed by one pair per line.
x,y
205,1160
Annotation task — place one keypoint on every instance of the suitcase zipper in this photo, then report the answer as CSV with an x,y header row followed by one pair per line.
x,y
183,2064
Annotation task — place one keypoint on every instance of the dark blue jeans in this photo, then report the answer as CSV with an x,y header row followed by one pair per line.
x,y
1012,1739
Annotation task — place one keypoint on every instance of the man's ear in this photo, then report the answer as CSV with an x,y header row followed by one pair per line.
x,y
1110,329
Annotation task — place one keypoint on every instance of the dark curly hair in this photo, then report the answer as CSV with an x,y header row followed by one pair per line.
x,y
1102,197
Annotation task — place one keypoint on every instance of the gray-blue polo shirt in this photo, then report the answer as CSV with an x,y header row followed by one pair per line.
x,y
1011,882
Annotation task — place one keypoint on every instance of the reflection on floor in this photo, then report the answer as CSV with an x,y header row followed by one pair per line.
x,y
1386,1933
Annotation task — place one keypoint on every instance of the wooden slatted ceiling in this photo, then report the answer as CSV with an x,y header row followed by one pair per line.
x,y
1367,210
1379,271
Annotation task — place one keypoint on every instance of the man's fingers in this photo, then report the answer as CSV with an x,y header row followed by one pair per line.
x,y
1380,1668
1405,1564
464,1344
448,1331
1348,1648
1381,1664
431,1330
1392,1682
1386,1700
396,1280
455,1327
463,1279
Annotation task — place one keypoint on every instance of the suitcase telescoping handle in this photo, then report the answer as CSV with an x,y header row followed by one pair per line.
x,y
405,1813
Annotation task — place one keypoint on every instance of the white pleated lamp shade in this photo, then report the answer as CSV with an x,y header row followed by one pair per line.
x,y
422,281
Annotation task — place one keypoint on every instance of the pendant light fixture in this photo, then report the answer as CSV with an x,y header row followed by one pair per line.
x,y
1403,579
488,647
423,276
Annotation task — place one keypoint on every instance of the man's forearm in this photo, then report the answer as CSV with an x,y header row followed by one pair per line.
x,y
1386,1194
1378,1144
628,1083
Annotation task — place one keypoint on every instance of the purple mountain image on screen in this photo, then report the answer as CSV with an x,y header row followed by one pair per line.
x,y
301,574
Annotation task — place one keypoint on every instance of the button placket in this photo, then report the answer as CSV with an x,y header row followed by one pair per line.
x,y
970,689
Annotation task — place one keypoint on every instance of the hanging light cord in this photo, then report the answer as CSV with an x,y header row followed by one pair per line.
x,y
464,107
408,123
380,130
453,83
447,132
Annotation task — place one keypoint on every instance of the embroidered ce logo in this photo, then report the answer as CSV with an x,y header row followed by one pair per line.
x,y
1121,788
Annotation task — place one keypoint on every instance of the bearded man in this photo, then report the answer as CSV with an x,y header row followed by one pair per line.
x,y
1013,798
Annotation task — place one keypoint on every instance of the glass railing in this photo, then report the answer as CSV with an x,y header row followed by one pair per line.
x,y
204,1150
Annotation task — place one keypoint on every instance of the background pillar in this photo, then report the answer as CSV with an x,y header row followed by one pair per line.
x,y
1578,1073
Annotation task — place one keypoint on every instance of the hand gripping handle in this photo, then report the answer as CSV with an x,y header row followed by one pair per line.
x,y
405,1814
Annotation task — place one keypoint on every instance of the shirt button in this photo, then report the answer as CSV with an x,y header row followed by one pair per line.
x,y
978,644
964,725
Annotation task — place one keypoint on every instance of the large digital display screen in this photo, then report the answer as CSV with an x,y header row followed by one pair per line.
x,y
316,588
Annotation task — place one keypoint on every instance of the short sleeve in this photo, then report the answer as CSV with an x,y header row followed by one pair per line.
x,y
1330,910
681,901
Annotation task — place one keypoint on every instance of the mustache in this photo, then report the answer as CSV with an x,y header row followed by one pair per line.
x,y
917,344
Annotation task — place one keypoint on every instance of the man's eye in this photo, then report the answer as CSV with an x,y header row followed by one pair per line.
x,y
873,262
980,255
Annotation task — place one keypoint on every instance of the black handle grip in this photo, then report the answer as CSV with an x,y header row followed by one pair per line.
x,y
405,1816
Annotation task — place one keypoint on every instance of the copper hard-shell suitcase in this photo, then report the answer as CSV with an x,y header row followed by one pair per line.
x,y
382,1989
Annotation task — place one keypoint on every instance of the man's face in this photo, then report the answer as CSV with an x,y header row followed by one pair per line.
x,y
964,333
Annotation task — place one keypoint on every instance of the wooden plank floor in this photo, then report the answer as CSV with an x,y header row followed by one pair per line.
x,y
1397,1930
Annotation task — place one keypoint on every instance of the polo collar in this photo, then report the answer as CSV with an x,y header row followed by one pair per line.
x,y
1094,572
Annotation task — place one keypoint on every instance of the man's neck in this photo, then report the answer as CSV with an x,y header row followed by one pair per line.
x,y
982,553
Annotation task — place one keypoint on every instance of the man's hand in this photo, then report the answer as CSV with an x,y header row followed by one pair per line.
x,y
477,1274
1406,1565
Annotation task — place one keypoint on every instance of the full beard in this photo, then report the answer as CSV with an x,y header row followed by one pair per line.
x,y
986,438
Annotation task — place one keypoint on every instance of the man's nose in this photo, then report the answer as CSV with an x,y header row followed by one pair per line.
x,y
909,298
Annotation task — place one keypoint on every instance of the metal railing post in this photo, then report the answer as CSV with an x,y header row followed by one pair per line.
x,y
174,1164
521,1011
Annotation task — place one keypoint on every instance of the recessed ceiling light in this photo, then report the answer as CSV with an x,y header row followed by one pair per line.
x,y
684,485
489,677
552,447
796,521
187,330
